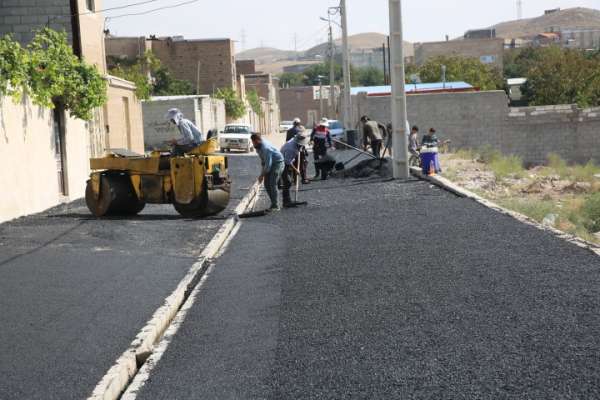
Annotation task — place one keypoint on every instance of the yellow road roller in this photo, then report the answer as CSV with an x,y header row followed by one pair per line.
x,y
196,183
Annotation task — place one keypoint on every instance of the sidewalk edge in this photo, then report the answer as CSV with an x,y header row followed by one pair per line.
x,y
118,377
462,192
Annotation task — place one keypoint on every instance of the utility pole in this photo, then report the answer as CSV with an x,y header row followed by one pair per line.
x,y
321,105
400,139
296,46
347,108
331,73
385,73
198,78
519,9
243,39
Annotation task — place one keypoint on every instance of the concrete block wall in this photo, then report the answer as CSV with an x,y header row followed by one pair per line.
x,y
477,119
124,125
204,112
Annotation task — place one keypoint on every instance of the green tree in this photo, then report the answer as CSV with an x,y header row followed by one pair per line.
x,y
49,72
562,76
291,79
234,106
369,76
254,101
150,77
470,70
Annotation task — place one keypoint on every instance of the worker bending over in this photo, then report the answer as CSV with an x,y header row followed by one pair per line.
x,y
291,151
321,139
295,130
191,137
272,166
372,135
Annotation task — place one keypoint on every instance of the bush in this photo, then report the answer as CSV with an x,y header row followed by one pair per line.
x,y
591,212
504,167
234,106
488,154
558,165
585,173
536,209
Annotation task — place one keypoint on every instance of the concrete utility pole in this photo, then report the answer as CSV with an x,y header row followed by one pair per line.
x,y
347,107
331,73
400,136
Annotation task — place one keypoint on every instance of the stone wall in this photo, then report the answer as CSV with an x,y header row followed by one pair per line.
x,y
204,112
477,119
28,164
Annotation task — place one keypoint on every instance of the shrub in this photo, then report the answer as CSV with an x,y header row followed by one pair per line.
x,y
585,173
591,212
536,209
488,154
558,165
234,106
504,167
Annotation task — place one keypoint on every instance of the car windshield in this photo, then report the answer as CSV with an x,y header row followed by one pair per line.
x,y
287,123
237,129
335,125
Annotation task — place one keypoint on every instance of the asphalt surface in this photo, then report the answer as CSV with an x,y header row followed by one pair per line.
x,y
387,290
75,291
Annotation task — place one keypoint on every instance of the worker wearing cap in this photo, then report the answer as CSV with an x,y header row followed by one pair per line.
x,y
371,135
191,136
291,151
321,139
272,167
294,131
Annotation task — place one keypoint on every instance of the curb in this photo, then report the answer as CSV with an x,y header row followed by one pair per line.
x,y
118,377
464,193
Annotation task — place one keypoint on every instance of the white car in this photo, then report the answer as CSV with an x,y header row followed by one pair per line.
x,y
336,129
236,137
285,126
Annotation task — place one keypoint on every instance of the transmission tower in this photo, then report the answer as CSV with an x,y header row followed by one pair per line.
x,y
519,9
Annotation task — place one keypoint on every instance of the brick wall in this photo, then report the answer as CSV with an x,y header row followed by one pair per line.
x,y
299,102
126,47
473,48
474,120
245,67
216,58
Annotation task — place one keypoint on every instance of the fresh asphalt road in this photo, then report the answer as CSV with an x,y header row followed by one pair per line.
x,y
75,291
386,290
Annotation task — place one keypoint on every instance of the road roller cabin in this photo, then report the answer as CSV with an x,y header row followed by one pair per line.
x,y
197,184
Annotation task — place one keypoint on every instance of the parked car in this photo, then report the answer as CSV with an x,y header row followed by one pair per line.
x,y
336,129
285,126
236,137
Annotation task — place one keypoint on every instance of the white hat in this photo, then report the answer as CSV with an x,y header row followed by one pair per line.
x,y
324,122
301,139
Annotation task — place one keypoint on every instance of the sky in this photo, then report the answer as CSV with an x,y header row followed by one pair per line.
x,y
275,23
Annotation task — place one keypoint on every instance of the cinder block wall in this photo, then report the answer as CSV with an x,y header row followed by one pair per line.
x,y
204,112
477,119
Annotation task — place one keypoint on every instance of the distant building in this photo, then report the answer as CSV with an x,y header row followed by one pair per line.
x,y
209,64
297,68
488,51
367,58
547,39
581,38
245,67
304,103
514,90
416,88
481,34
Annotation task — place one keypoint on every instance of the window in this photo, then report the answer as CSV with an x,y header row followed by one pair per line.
x,y
90,5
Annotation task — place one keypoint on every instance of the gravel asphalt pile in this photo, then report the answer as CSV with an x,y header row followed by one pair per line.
x,y
380,290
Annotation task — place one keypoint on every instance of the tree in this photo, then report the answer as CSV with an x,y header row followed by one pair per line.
x,y
151,78
291,79
562,76
370,76
470,70
254,101
234,106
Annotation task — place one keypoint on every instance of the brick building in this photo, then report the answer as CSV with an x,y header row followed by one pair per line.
x,y
304,103
488,51
209,64
245,67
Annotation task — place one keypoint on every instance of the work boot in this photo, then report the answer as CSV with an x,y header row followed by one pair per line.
x,y
287,198
318,172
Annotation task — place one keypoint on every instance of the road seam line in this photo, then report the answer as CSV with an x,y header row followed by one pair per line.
x,y
450,186
119,376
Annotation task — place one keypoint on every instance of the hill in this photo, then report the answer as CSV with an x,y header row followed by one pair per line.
x,y
269,55
569,18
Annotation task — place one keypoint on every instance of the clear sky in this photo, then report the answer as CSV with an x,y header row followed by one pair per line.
x,y
274,23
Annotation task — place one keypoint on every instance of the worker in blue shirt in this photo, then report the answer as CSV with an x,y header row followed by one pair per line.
x,y
272,167
291,151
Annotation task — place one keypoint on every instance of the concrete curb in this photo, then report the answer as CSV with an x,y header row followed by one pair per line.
x,y
461,192
127,365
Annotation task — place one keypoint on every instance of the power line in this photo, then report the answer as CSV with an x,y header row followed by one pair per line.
x,y
153,10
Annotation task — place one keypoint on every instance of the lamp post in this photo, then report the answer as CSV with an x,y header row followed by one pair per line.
x,y
399,122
